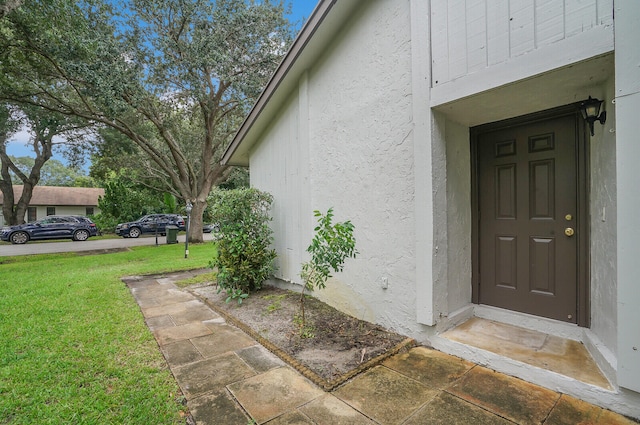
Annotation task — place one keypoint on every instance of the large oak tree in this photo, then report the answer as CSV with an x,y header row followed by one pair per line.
x,y
176,77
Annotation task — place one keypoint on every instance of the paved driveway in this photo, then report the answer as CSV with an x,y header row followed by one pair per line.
x,y
89,245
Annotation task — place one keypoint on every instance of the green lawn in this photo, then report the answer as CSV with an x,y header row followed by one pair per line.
x,y
74,348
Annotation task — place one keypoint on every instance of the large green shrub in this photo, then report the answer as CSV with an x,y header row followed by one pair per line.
x,y
244,258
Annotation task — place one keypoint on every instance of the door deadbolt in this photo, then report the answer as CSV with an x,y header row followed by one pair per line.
x,y
569,231
568,217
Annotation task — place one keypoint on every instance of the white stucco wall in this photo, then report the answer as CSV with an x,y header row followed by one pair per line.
x,y
346,139
452,214
356,155
603,200
440,269
362,158
627,105
459,215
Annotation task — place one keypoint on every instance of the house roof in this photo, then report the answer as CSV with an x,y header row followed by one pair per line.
x,y
60,196
323,25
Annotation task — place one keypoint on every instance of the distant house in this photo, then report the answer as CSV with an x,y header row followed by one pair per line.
x,y
52,200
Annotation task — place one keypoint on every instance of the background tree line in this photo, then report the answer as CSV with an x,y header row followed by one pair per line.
x,y
153,89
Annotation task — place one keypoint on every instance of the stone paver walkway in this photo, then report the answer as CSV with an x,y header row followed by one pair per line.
x,y
228,378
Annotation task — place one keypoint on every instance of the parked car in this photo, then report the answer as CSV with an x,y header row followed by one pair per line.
x,y
77,228
150,224
208,228
89,221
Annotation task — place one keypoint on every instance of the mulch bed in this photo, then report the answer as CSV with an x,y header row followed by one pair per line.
x,y
332,347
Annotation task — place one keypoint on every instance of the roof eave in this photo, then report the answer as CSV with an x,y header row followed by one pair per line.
x,y
236,156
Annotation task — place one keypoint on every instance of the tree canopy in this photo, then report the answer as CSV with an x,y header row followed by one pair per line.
x,y
175,77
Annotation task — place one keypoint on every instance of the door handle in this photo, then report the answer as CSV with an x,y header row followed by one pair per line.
x,y
569,231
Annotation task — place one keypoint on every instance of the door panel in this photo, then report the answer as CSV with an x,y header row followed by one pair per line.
x,y
527,197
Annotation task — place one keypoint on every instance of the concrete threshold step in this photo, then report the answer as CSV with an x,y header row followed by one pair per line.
x,y
553,362
560,355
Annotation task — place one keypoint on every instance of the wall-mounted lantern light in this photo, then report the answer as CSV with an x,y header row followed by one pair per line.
x,y
590,109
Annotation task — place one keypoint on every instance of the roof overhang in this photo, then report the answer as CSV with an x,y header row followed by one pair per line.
x,y
325,22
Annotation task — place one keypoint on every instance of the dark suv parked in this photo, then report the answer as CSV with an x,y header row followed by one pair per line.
x,y
150,224
78,228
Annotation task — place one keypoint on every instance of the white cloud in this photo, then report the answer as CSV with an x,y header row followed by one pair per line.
x,y
17,145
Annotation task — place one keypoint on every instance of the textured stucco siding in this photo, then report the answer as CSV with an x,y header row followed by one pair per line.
x,y
367,132
603,230
344,139
362,161
627,105
357,157
458,162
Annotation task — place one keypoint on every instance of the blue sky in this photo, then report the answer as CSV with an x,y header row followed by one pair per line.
x,y
300,10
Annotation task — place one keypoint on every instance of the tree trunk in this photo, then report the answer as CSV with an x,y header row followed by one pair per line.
x,y
200,202
195,224
8,202
42,146
25,199
8,210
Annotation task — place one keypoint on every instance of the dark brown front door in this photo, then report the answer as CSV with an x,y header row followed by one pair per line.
x,y
528,213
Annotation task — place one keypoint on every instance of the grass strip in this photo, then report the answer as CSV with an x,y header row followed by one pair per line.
x,y
74,347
